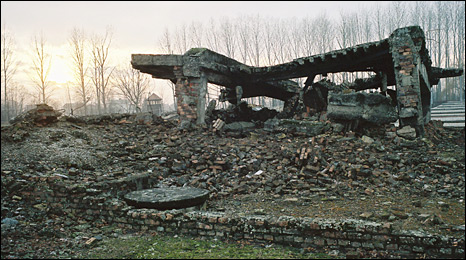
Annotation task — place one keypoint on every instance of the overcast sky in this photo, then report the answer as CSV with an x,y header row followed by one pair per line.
x,y
137,25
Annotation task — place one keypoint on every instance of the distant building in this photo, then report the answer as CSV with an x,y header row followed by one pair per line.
x,y
154,104
120,106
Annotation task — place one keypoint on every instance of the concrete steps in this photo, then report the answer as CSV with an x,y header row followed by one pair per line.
x,y
451,113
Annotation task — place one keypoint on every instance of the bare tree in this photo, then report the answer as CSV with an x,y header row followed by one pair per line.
x,y
41,67
308,42
280,39
397,15
255,51
270,41
132,84
17,98
101,71
166,44
181,42
9,67
196,34
212,37
256,40
77,43
227,37
243,38
378,16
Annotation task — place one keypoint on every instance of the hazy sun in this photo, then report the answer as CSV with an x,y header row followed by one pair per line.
x,y
59,70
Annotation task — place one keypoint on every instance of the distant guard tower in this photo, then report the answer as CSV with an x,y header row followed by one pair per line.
x,y
154,104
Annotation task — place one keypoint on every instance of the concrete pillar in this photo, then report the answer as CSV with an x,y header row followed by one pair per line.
x,y
383,87
407,63
201,105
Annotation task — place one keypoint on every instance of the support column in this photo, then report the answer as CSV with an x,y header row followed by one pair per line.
x,y
383,86
201,84
406,61
190,94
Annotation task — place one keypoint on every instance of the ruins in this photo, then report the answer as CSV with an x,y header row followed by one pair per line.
x,y
401,60
167,198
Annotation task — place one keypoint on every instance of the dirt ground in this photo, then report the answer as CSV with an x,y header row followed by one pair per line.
x,y
372,174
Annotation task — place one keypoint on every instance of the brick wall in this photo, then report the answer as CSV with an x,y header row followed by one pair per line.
x,y
406,61
93,203
187,95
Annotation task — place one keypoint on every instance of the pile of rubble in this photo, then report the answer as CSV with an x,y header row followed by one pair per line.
x,y
42,115
281,167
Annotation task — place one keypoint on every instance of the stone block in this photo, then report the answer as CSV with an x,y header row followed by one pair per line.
x,y
407,132
373,108
446,251
319,242
288,238
367,245
343,242
378,245
391,247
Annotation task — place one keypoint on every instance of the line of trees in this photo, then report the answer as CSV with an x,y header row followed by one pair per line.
x,y
12,100
95,80
264,41
254,40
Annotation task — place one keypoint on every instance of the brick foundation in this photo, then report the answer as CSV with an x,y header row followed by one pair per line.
x,y
347,236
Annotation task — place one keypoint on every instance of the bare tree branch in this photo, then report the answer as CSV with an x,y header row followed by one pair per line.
x,y
41,67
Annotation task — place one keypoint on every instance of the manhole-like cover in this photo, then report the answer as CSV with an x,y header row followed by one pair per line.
x,y
167,198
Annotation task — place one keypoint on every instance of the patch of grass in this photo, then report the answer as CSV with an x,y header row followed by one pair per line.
x,y
167,247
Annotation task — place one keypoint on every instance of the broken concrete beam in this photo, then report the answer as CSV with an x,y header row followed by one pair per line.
x,y
240,126
364,57
368,107
367,83
216,68
438,73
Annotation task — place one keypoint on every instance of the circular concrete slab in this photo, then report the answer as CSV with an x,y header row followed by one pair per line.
x,y
167,198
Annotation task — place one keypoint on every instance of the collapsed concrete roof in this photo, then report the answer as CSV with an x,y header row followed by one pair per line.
x,y
217,68
273,81
401,60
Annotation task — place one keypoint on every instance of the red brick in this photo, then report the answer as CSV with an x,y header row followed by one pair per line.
x,y
314,226
283,223
259,223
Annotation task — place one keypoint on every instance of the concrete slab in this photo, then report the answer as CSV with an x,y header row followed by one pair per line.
x,y
167,198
